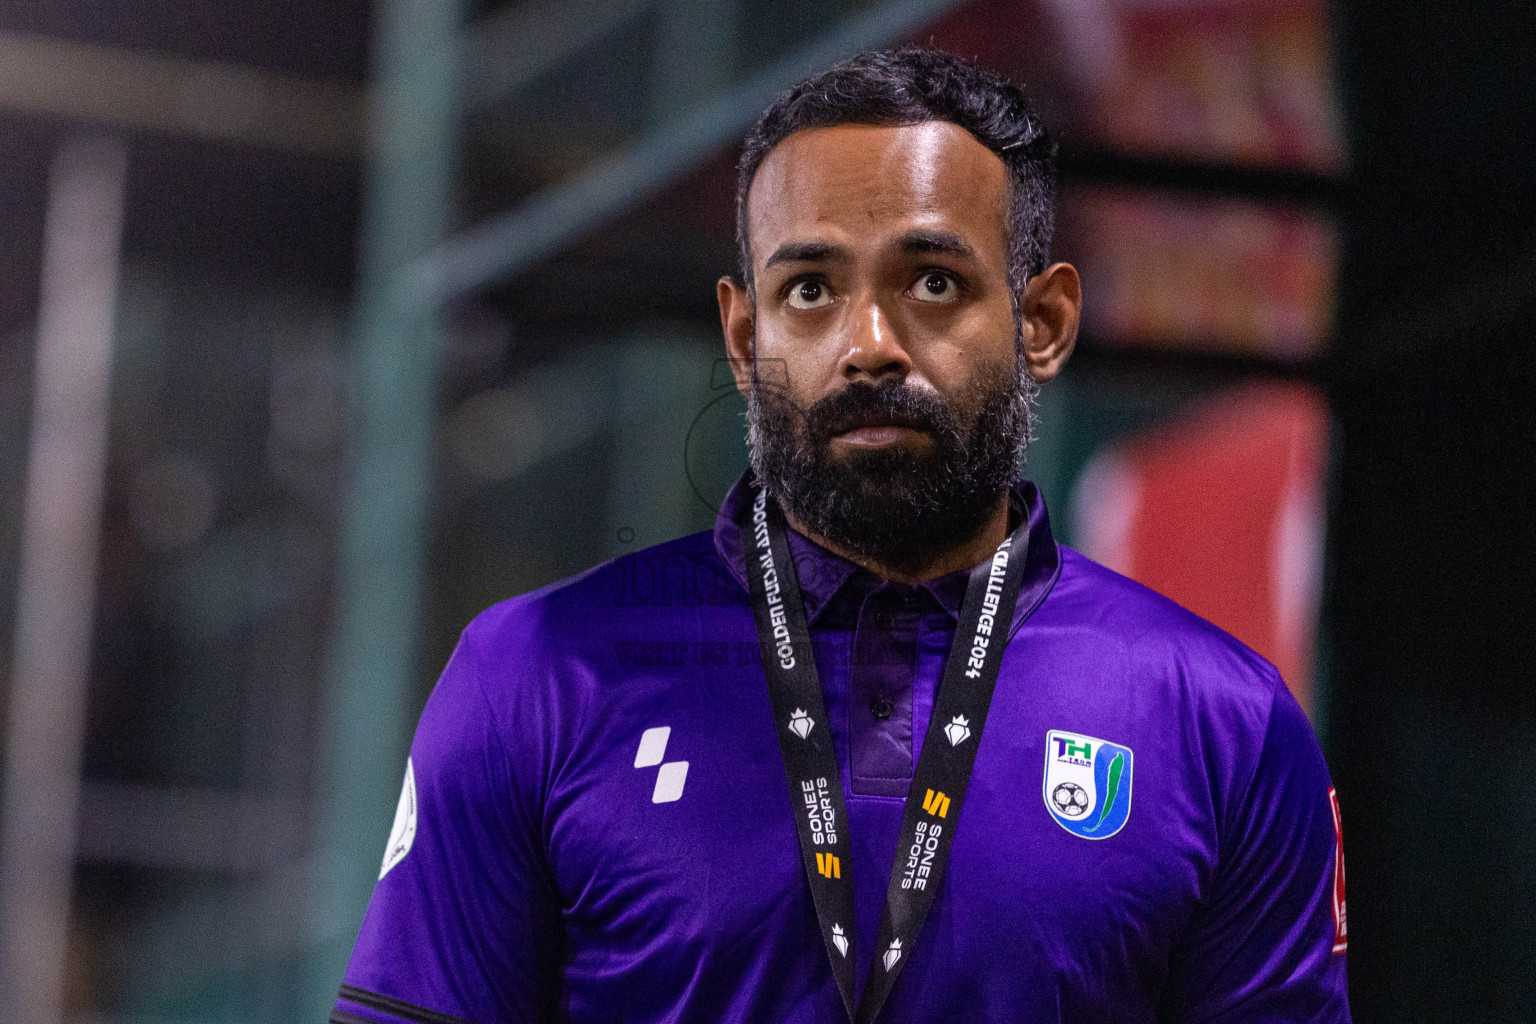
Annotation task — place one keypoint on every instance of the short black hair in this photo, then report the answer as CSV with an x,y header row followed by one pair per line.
x,y
911,85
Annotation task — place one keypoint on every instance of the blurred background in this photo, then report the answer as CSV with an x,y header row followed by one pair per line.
x,y
325,326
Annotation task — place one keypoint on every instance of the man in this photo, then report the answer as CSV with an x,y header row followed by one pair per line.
x,y
869,749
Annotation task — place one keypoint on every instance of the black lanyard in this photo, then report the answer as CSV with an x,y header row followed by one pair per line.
x,y
943,771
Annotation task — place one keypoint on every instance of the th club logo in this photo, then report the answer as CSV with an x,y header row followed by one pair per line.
x,y
957,731
672,775
801,723
892,954
839,939
1087,786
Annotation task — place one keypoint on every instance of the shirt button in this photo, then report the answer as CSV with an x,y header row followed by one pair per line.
x,y
881,708
885,619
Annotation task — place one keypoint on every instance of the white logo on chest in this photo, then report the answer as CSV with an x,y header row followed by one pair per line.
x,y
672,775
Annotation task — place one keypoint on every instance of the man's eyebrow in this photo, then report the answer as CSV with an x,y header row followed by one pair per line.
x,y
802,252
915,242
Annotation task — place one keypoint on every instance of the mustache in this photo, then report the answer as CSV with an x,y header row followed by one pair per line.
x,y
889,403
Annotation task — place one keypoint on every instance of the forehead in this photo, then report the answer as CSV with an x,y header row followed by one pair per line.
x,y
856,180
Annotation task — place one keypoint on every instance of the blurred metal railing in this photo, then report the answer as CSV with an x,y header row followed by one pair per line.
x,y
501,247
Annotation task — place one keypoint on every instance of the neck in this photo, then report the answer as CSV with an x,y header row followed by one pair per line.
x,y
964,555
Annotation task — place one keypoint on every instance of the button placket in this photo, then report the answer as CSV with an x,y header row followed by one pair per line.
x,y
881,680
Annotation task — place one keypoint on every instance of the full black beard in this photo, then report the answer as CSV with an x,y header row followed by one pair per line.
x,y
891,506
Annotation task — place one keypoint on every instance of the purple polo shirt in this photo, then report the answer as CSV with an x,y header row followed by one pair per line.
x,y
596,824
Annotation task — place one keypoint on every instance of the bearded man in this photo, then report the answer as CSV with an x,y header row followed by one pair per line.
x,y
869,749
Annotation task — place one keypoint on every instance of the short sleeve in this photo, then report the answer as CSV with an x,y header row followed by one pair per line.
x,y
1267,945
464,923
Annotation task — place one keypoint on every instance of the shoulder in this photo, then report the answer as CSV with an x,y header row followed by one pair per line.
x,y
546,657
532,675
1190,695
558,619
1141,629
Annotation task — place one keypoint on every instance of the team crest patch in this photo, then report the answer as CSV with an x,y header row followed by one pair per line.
x,y
1087,783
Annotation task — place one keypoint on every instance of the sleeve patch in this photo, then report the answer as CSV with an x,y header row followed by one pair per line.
x,y
1340,927
403,834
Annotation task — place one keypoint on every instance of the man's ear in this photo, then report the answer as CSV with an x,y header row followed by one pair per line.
x,y
737,324
1052,306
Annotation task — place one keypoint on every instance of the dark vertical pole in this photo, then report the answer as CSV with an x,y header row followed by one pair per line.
x,y
1433,721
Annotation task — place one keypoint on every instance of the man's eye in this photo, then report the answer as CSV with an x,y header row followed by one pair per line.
x,y
935,286
809,295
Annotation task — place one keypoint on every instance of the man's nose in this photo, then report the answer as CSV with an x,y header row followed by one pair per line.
x,y
874,348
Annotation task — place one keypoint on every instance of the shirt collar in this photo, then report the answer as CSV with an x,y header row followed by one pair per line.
x,y
823,573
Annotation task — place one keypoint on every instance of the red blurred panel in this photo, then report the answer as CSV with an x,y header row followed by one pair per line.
x,y
1217,275
1222,512
1246,81
1225,81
